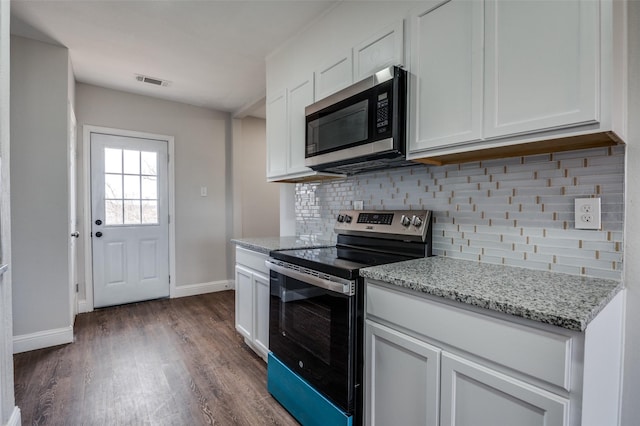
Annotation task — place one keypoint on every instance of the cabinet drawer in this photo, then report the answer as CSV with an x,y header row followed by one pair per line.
x,y
252,259
538,353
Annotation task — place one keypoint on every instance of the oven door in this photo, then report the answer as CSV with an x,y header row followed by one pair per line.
x,y
313,331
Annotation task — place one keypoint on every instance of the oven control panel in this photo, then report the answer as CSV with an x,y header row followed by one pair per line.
x,y
398,224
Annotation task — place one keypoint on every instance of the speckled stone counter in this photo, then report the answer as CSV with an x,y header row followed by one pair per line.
x,y
562,300
265,245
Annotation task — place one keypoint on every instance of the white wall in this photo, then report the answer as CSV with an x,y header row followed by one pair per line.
x,y
9,413
631,375
201,139
39,196
256,201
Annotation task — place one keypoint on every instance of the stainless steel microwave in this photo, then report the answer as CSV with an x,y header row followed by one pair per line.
x,y
361,127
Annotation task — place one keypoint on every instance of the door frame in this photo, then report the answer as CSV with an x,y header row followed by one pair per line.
x,y
72,150
86,305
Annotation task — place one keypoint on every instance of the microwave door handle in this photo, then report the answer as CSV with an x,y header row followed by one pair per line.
x,y
344,288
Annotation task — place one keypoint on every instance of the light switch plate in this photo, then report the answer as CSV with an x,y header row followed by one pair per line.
x,y
587,213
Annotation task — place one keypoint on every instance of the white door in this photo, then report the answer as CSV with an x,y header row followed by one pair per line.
x,y
129,219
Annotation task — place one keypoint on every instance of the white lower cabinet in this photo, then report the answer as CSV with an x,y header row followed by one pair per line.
x,y
435,363
473,395
403,376
252,300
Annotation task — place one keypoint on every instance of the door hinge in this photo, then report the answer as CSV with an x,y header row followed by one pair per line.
x,y
169,279
169,218
77,288
167,158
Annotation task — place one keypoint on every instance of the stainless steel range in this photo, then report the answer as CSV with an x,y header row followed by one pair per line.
x,y
316,312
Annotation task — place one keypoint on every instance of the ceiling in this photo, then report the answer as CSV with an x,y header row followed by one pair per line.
x,y
212,52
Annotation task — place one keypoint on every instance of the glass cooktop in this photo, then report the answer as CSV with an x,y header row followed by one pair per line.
x,y
343,262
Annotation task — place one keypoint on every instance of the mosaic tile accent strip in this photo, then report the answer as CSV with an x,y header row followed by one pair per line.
x,y
516,211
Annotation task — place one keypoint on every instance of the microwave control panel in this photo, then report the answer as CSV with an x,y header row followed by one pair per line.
x,y
382,112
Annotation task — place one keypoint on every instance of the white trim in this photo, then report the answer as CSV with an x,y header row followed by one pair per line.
x,y
42,339
195,289
86,305
179,291
16,418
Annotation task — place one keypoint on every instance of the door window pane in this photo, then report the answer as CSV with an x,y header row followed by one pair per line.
x,y
113,212
112,186
131,162
149,211
149,163
149,188
131,212
112,160
131,187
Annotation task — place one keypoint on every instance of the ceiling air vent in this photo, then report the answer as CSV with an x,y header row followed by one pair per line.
x,y
152,80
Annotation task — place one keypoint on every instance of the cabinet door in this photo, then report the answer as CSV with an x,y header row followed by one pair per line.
x,y
542,65
244,302
300,95
446,74
277,135
382,50
473,395
261,313
334,76
402,378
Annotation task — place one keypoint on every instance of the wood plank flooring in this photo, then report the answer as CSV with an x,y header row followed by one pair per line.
x,y
164,362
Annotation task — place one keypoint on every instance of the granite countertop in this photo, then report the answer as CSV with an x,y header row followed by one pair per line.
x,y
265,245
562,300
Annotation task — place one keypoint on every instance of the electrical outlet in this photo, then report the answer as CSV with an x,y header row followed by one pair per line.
x,y
358,205
587,213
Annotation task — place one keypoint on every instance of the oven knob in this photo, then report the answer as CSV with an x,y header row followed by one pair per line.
x,y
301,364
405,221
347,218
416,221
340,218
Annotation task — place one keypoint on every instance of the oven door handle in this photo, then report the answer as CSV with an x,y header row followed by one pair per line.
x,y
344,286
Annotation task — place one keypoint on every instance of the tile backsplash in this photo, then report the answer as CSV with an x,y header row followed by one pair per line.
x,y
516,211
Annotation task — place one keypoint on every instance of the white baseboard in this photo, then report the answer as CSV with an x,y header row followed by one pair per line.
x,y
180,291
16,418
195,289
42,339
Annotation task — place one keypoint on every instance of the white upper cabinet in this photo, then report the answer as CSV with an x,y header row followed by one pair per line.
x,y
300,96
297,78
286,130
446,74
494,73
381,50
334,75
542,61
277,134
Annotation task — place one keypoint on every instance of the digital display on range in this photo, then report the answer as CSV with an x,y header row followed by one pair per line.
x,y
376,218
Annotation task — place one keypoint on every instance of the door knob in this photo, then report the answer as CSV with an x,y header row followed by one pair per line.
x,y
98,222
98,234
75,234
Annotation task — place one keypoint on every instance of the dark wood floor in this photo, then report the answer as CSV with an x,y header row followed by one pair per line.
x,y
164,362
